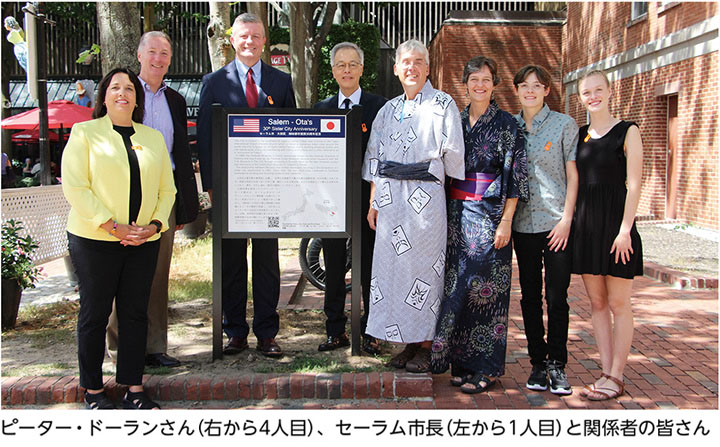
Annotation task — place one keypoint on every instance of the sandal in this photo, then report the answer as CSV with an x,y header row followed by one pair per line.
x,y
476,381
400,360
590,388
99,401
604,393
138,401
460,380
420,363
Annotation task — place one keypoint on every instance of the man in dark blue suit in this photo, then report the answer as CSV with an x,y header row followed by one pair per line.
x,y
347,67
245,82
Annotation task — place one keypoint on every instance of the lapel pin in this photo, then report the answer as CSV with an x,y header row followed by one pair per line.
x,y
587,138
548,145
364,127
136,148
270,100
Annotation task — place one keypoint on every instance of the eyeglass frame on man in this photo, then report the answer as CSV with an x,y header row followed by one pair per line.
x,y
352,66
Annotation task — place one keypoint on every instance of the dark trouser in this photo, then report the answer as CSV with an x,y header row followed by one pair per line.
x,y
265,286
108,271
334,254
158,302
532,251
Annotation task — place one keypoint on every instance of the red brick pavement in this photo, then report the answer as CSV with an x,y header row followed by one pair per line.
x,y
673,364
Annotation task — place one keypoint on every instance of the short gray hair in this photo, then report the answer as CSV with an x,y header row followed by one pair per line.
x,y
412,45
247,17
343,45
149,35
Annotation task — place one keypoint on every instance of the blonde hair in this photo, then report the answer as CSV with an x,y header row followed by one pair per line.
x,y
589,73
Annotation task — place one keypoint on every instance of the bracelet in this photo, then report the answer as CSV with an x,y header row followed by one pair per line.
x,y
158,225
114,228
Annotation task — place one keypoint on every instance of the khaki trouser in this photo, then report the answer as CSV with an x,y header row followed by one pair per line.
x,y
158,303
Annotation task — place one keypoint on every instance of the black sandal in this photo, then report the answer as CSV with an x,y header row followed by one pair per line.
x,y
477,380
138,401
99,401
460,380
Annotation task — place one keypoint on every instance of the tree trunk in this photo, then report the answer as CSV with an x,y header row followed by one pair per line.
x,y
260,9
305,43
149,16
219,46
119,29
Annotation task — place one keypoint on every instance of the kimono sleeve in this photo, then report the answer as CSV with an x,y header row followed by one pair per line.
x,y
453,147
373,151
515,175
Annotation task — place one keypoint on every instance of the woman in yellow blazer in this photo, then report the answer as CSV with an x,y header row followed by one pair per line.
x,y
118,179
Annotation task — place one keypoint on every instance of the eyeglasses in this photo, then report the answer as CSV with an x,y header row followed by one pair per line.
x,y
404,64
342,66
531,87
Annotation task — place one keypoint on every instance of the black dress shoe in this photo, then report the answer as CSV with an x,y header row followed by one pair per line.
x,y
371,345
269,348
334,342
236,345
161,359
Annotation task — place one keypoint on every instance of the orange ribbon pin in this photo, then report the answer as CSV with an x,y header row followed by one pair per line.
x,y
364,127
270,100
136,148
548,145
587,138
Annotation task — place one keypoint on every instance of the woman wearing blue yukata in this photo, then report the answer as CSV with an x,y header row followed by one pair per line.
x,y
416,141
541,228
471,333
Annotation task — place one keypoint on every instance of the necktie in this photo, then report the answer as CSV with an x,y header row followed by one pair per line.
x,y
251,93
346,103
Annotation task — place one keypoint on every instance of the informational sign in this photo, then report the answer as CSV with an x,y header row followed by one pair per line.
x,y
286,173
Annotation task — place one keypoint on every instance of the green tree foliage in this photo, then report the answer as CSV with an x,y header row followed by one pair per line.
x,y
364,35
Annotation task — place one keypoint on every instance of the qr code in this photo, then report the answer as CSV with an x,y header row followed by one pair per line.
x,y
273,222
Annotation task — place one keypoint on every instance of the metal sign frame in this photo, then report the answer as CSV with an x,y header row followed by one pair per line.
x,y
353,218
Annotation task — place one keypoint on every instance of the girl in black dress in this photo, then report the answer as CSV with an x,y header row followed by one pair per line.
x,y
607,251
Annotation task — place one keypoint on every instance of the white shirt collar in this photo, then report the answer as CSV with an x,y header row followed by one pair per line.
x,y
354,98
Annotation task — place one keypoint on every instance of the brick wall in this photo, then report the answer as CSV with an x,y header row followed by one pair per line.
x,y
510,46
595,31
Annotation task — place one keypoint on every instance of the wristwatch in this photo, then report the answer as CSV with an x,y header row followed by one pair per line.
x,y
157,224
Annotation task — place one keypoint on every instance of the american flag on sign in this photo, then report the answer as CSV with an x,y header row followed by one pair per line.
x,y
246,125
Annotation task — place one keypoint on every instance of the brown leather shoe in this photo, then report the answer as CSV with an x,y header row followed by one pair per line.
x,y
335,342
269,348
236,345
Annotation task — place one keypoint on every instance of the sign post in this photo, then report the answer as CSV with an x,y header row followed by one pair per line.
x,y
286,173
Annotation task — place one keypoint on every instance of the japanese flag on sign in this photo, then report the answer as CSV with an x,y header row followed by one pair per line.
x,y
330,125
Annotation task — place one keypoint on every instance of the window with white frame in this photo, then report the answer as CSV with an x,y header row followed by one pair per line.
x,y
639,9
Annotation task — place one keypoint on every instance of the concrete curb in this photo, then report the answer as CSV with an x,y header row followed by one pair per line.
x,y
678,279
37,390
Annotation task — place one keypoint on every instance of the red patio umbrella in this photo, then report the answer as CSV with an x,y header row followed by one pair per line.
x,y
33,135
61,113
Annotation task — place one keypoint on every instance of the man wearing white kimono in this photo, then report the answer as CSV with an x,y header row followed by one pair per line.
x,y
416,141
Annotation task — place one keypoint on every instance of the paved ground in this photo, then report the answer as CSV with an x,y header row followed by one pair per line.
x,y
673,363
